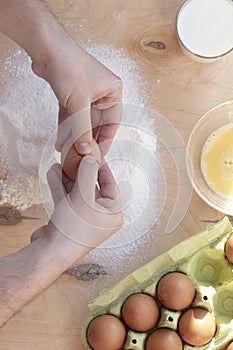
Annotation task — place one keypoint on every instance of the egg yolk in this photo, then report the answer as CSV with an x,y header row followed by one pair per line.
x,y
217,160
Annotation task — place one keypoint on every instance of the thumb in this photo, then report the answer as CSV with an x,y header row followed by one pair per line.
x,y
84,188
81,129
54,177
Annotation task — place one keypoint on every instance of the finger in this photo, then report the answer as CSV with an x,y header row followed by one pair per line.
x,y
62,114
67,182
107,183
54,177
64,128
85,185
106,136
96,132
96,116
82,130
96,120
111,121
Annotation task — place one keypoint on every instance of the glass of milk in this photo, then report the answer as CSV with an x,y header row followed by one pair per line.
x,y
205,29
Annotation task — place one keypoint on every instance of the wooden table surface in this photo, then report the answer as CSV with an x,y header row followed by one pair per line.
x,y
146,30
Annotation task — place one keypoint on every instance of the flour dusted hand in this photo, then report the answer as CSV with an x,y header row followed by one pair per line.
x,y
83,218
84,215
87,91
80,83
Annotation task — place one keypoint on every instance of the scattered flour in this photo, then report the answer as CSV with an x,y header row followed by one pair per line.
x,y
28,110
28,117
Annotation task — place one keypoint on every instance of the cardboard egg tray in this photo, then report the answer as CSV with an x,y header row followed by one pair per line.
x,y
202,258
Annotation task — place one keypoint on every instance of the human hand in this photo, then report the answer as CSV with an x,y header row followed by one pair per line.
x,y
83,214
86,90
78,80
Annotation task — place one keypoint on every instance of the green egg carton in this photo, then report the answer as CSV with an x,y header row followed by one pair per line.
x,y
201,257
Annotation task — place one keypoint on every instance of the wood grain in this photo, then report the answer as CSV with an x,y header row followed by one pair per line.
x,y
181,90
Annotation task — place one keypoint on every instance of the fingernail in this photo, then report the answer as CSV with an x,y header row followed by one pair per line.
x,y
89,160
83,147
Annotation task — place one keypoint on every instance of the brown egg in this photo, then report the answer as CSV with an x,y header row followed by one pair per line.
x,y
140,312
230,346
175,291
197,326
70,158
229,248
164,339
106,332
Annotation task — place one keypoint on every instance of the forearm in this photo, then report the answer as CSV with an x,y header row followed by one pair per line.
x,y
26,273
32,25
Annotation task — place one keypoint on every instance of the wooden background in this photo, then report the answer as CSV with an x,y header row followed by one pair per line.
x,y
146,29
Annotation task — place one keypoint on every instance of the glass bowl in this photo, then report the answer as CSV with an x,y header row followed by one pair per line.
x,y
216,118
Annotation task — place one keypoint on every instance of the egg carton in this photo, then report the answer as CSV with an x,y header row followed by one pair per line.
x,y
201,257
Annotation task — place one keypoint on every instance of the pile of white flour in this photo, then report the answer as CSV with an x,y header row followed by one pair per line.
x,y
28,113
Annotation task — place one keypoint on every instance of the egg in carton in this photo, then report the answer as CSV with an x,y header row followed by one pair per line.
x,y
200,260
